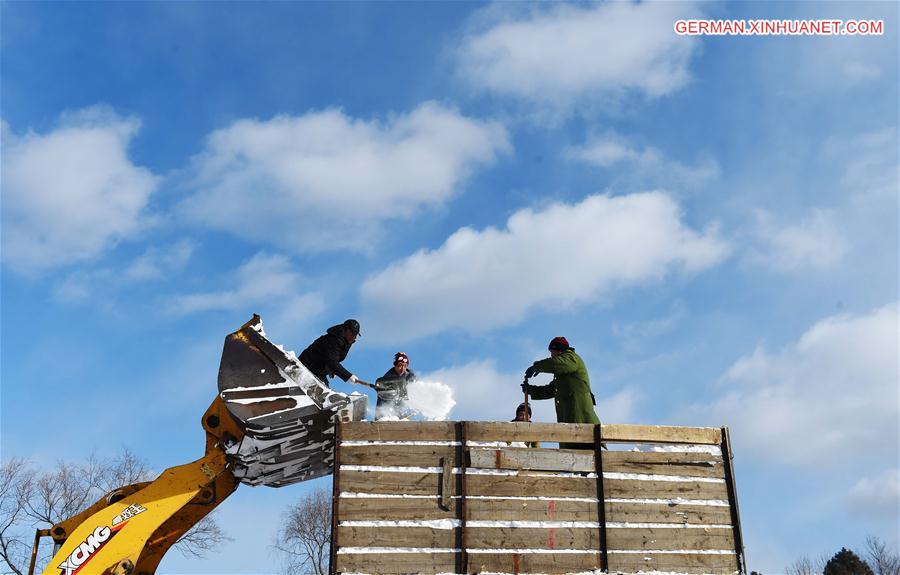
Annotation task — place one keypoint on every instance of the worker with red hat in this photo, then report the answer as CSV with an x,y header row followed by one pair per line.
x,y
391,388
570,388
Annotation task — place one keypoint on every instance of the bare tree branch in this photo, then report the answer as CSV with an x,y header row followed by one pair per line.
x,y
806,566
304,539
203,537
124,469
882,560
16,485
30,499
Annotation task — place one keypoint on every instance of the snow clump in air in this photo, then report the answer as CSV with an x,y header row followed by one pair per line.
x,y
432,399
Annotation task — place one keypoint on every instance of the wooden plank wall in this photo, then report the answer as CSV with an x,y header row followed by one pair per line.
x,y
667,505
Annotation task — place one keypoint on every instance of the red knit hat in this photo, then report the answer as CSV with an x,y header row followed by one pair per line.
x,y
558,343
401,357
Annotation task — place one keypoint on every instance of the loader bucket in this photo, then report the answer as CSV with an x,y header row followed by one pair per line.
x,y
288,414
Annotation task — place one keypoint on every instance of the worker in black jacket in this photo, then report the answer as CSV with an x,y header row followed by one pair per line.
x,y
324,356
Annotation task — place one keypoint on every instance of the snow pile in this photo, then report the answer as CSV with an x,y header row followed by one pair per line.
x,y
432,399
432,524
711,449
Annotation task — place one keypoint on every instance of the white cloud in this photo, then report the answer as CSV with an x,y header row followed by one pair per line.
x,y
877,496
325,181
834,391
815,242
70,194
619,408
646,166
153,265
832,64
654,327
871,171
561,53
633,336
560,256
262,280
858,71
155,262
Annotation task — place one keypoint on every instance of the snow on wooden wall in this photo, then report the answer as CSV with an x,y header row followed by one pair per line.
x,y
469,497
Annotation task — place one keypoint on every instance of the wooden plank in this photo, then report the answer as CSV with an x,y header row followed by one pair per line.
x,y
675,562
533,538
661,434
533,562
647,538
396,563
403,455
523,458
521,431
664,513
637,538
479,537
394,509
554,486
584,433
399,431
396,537
654,463
530,510
640,489
531,485
390,482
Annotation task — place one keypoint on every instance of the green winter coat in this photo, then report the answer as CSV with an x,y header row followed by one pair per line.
x,y
571,388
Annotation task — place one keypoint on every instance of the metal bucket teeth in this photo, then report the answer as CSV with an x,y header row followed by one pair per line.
x,y
288,415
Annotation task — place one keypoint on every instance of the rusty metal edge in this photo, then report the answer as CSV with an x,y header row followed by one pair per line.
x,y
732,500
34,550
335,498
601,494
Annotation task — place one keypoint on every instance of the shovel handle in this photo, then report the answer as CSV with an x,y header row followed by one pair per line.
x,y
526,396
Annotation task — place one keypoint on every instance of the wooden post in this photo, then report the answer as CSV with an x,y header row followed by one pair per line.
x,y
462,560
335,499
732,500
601,494
446,494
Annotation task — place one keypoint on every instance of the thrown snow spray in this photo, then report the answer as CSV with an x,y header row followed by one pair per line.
x,y
432,399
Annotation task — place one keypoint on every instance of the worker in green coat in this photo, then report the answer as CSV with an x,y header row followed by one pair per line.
x,y
570,388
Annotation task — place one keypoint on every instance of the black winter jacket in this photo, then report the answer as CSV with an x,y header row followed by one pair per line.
x,y
392,387
324,356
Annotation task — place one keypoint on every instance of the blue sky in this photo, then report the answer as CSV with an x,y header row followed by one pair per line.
x,y
712,222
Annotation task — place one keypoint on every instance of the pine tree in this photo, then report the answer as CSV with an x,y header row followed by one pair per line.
x,y
846,562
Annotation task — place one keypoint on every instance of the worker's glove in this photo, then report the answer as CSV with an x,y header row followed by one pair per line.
x,y
531,372
358,381
524,387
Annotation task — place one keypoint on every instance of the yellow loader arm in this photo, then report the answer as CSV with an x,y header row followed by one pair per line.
x,y
271,424
130,529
